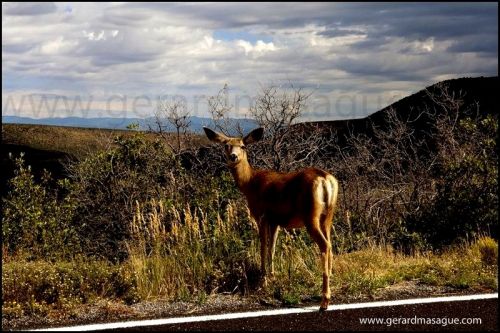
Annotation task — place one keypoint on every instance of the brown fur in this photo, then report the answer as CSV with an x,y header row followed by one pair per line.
x,y
304,198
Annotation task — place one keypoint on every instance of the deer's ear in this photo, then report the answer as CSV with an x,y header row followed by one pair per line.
x,y
215,136
254,136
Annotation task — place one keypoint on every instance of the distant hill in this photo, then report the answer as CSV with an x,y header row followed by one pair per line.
x,y
108,123
480,91
117,123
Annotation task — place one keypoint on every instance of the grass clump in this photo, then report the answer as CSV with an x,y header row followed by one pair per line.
x,y
182,254
488,251
40,287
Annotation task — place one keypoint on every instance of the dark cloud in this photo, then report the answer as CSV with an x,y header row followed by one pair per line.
x,y
124,16
121,49
467,24
28,8
337,32
442,21
476,43
17,47
379,68
119,58
371,44
412,20
240,15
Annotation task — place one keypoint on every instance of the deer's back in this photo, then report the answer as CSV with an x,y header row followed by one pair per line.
x,y
284,198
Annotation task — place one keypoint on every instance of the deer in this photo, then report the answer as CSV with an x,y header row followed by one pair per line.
x,y
305,198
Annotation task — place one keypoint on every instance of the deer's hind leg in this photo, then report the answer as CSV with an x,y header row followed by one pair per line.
x,y
325,248
326,228
273,235
263,236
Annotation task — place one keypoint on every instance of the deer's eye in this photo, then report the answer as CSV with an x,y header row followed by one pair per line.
x,y
228,146
243,147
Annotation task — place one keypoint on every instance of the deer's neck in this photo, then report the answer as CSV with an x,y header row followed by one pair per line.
x,y
242,174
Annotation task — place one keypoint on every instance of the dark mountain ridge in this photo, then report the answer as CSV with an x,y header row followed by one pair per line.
x,y
478,96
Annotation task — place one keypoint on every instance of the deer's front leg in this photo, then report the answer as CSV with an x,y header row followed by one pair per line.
x,y
263,235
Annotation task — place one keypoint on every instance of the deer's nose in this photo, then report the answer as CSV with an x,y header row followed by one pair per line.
x,y
233,157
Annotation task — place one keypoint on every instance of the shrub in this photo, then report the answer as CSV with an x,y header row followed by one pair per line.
x,y
107,185
38,218
466,179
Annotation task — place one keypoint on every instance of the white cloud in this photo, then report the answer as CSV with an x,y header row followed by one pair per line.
x,y
94,35
58,46
258,48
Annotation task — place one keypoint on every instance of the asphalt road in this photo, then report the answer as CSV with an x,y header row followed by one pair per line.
x,y
437,316
451,313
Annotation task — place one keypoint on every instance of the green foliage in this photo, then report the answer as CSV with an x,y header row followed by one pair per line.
x,y
38,217
466,200
35,287
108,184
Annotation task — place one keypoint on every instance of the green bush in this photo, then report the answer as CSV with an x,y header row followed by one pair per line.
x,y
466,200
38,217
109,183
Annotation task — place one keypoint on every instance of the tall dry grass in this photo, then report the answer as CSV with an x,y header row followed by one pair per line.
x,y
188,254
178,252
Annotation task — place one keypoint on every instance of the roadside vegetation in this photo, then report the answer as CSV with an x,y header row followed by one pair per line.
x,y
157,215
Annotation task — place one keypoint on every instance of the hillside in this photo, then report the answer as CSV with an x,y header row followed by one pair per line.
x,y
51,147
132,218
196,123
48,147
480,90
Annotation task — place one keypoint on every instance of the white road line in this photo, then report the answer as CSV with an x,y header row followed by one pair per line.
x,y
179,320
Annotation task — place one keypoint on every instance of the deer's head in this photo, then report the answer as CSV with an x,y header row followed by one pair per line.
x,y
235,148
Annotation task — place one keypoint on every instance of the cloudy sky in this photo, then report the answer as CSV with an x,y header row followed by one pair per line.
x,y
117,59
